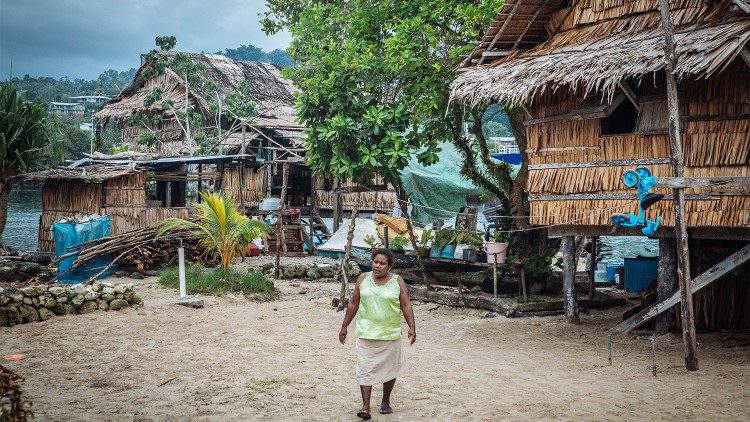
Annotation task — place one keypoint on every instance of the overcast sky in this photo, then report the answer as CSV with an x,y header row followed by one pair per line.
x,y
82,38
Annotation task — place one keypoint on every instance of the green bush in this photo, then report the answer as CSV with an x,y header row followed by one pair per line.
x,y
200,280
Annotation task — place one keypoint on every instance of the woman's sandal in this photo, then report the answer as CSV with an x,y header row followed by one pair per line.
x,y
364,414
384,410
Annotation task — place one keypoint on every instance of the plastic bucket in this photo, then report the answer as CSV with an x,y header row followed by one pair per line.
x,y
496,252
448,251
459,252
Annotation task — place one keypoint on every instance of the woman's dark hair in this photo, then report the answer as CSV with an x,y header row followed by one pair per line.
x,y
385,252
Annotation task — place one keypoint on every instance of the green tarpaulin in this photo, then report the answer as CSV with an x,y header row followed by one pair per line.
x,y
438,192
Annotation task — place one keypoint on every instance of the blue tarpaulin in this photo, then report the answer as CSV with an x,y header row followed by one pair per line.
x,y
70,234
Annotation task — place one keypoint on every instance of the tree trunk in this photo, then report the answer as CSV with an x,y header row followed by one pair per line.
x,y
404,204
4,192
348,251
666,284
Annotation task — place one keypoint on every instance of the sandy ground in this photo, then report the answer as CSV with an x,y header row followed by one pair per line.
x,y
239,360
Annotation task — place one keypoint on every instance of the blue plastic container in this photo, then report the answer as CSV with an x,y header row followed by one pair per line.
x,y
435,251
448,251
611,271
640,273
70,234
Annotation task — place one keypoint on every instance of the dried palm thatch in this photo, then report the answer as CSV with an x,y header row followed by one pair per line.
x,y
89,174
597,51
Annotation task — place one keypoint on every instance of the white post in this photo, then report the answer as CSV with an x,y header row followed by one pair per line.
x,y
181,263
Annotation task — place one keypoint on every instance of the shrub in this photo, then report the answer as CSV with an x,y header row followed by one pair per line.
x,y
201,280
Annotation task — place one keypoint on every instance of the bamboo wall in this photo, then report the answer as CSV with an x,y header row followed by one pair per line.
x,y
61,199
370,201
255,185
715,143
168,131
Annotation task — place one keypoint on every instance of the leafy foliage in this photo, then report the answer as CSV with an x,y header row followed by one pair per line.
x,y
199,280
221,227
23,132
13,407
252,53
397,244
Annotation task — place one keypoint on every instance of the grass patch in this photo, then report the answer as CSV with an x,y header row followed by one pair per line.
x,y
264,385
201,280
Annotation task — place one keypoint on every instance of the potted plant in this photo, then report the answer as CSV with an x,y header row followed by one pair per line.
x,y
423,246
398,244
462,239
442,238
473,247
372,241
496,250
450,244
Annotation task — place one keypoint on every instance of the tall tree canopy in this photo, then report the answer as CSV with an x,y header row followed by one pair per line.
x,y
23,134
375,78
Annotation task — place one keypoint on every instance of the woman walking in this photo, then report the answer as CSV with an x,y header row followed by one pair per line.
x,y
380,298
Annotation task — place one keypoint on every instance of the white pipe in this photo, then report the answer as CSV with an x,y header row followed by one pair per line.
x,y
181,259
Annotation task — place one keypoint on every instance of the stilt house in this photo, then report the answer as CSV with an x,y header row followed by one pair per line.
x,y
590,76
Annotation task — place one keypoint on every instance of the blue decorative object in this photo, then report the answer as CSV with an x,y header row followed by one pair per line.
x,y
642,180
448,251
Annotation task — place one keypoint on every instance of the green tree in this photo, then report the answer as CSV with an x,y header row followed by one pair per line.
x,y
375,78
23,134
221,227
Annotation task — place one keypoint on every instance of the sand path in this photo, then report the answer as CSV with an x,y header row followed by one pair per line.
x,y
239,360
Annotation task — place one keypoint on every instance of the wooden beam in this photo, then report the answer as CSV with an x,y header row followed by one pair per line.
x,y
630,94
569,272
611,196
563,149
528,25
497,53
678,164
699,182
502,28
611,163
714,273
358,188
716,233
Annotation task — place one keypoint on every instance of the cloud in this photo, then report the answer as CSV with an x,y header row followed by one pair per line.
x,y
82,38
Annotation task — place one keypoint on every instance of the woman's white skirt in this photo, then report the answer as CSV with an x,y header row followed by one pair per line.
x,y
379,361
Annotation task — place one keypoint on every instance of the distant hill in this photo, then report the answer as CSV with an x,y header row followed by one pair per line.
x,y
252,53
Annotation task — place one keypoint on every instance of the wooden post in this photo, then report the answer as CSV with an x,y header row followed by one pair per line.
x,y
523,283
678,162
313,213
242,171
569,275
494,277
337,208
592,267
403,199
200,183
280,223
666,284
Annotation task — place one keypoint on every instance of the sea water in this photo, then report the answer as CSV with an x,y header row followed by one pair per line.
x,y
24,209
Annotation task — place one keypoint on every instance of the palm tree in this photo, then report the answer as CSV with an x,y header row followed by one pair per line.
x,y
220,228
23,133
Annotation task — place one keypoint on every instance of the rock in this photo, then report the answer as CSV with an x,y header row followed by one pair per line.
x,y
96,287
106,284
303,292
28,314
120,288
27,301
4,300
78,300
313,274
137,302
118,304
45,314
119,295
136,275
490,315
15,270
108,297
15,295
79,290
62,299
191,302
37,258
102,304
12,315
129,287
47,301
151,273
35,291
56,290
107,290
88,306
121,273
91,295
128,296
64,309
3,318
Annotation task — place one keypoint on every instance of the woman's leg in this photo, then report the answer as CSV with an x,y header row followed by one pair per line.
x,y
366,391
385,405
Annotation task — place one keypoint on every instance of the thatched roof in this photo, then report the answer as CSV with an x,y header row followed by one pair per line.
x,y
594,51
272,93
89,174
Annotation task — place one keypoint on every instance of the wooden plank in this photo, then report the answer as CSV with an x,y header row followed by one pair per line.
x,y
745,53
501,29
630,94
569,270
528,25
358,189
697,182
499,53
705,118
720,233
666,284
611,196
714,273
610,163
563,149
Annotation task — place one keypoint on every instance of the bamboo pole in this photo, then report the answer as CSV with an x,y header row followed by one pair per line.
x,y
683,255
280,223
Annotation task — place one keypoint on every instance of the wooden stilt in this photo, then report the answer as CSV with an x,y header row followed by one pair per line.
x,y
280,240
592,267
678,162
242,172
337,209
569,273
494,276
666,284
523,284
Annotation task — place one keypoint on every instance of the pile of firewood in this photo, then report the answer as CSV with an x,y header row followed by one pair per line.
x,y
140,251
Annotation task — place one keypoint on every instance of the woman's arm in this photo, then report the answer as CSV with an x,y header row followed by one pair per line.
x,y
407,310
351,309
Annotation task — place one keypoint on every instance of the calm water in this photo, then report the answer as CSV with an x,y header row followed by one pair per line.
x,y
24,209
